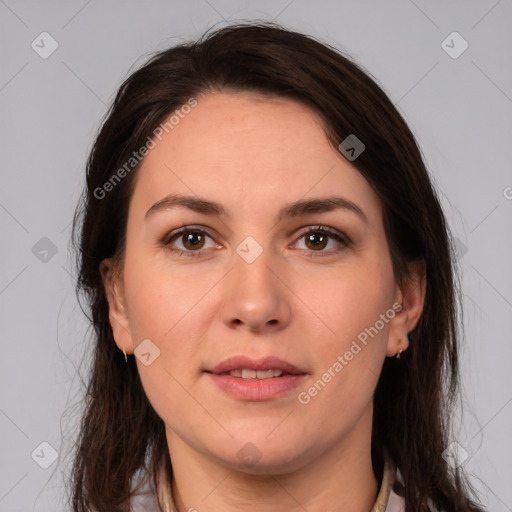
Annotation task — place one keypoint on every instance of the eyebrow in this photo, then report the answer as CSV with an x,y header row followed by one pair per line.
x,y
296,209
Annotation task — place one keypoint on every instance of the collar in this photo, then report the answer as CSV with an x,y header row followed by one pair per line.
x,y
386,486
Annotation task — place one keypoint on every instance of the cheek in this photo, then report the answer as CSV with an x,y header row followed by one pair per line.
x,y
157,298
173,313
353,298
167,312
351,348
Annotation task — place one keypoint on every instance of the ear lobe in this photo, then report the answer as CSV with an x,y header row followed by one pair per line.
x,y
118,318
412,298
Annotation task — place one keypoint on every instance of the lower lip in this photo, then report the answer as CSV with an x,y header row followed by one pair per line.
x,y
256,390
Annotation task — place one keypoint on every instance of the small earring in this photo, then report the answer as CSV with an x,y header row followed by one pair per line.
x,y
399,352
125,356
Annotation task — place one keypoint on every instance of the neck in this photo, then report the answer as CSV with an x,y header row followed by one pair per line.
x,y
340,479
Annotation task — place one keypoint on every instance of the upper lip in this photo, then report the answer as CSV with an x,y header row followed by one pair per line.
x,y
264,363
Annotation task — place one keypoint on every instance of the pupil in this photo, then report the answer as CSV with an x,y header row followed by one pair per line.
x,y
190,240
319,243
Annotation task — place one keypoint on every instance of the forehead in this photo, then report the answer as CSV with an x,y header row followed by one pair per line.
x,y
245,125
245,148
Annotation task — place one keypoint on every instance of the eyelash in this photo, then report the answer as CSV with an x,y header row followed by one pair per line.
x,y
343,239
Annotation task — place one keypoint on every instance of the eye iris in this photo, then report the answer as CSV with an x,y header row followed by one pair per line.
x,y
316,236
195,240
191,239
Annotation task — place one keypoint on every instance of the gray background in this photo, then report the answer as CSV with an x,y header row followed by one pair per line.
x,y
459,108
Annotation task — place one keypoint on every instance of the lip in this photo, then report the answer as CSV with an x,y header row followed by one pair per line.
x,y
256,390
265,363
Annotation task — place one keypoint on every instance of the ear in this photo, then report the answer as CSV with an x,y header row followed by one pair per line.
x,y
118,318
411,295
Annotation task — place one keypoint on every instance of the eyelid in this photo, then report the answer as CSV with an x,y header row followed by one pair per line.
x,y
184,229
341,237
324,229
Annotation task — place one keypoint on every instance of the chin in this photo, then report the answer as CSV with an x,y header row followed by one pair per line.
x,y
259,455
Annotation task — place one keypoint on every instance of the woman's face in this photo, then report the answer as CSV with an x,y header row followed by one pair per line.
x,y
252,285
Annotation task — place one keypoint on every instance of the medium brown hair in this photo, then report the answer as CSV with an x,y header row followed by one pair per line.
x,y
120,431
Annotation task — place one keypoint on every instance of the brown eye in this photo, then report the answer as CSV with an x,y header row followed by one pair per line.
x,y
188,242
193,240
316,240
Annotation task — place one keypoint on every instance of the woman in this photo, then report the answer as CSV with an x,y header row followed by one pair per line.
x,y
270,279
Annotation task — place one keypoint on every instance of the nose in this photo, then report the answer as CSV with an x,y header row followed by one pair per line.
x,y
256,295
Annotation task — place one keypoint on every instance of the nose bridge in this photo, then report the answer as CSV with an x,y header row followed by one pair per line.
x,y
254,269
255,295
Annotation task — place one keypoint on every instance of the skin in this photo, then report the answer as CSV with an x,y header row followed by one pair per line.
x,y
254,155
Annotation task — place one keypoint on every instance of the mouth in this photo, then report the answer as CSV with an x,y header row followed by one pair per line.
x,y
249,379
244,367
248,373
251,374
